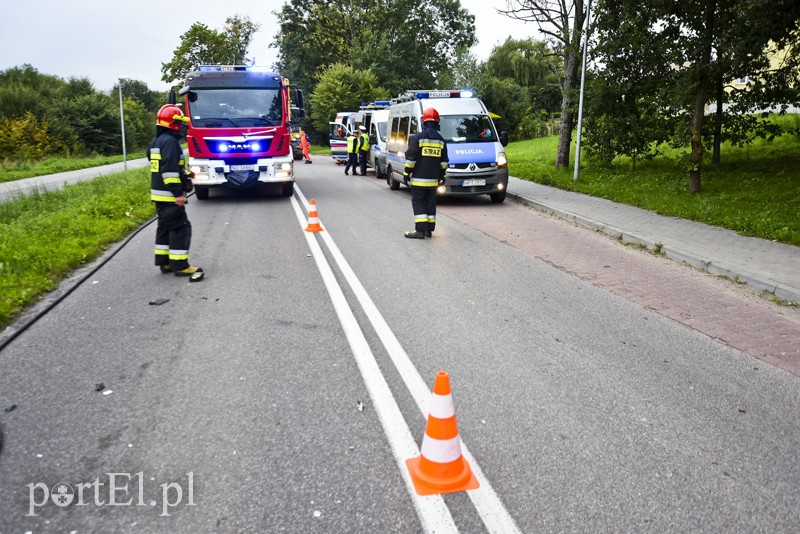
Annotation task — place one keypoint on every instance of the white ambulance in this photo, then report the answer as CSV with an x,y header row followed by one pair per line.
x,y
476,153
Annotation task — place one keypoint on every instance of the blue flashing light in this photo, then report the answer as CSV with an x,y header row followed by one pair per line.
x,y
382,103
256,147
222,147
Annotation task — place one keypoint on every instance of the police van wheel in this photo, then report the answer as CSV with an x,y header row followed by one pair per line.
x,y
497,198
394,185
201,193
378,173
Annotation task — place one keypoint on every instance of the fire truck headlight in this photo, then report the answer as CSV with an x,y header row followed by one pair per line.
x,y
200,172
284,167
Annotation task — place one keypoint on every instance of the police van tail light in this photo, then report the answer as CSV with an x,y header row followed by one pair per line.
x,y
502,162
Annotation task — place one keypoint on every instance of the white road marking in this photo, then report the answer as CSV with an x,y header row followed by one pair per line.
x,y
432,510
491,509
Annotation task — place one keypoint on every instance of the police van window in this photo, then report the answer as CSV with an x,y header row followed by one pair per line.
x,y
381,127
392,128
467,128
402,130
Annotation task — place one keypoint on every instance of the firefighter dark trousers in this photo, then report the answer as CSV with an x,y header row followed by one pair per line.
x,y
423,202
173,236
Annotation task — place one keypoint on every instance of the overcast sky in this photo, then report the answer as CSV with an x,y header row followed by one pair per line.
x,y
109,39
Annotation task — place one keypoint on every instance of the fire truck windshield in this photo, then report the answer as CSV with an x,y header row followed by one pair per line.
x,y
209,108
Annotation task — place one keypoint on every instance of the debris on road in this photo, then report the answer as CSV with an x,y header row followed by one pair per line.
x,y
10,408
158,301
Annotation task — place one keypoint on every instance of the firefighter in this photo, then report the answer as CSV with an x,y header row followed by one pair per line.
x,y
426,166
363,150
169,184
353,143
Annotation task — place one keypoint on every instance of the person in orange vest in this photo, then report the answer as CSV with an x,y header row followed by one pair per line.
x,y
305,145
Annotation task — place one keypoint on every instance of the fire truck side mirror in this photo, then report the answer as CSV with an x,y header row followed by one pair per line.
x,y
171,97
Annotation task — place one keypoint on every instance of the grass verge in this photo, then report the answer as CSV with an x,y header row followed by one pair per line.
x,y
44,237
11,171
755,191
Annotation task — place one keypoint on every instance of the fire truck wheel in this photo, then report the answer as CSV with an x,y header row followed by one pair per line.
x,y
288,189
201,193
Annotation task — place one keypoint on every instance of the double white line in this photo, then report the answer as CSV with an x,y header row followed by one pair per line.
x,y
432,510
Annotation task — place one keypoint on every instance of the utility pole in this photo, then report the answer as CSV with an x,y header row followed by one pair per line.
x,y
580,100
122,125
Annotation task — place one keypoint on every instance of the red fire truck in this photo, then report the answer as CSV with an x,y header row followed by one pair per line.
x,y
239,122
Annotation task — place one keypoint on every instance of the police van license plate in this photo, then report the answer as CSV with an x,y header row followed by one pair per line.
x,y
473,182
241,167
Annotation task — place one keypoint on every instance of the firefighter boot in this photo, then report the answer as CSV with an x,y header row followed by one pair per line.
x,y
416,234
195,274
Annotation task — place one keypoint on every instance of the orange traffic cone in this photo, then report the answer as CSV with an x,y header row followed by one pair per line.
x,y
313,218
440,467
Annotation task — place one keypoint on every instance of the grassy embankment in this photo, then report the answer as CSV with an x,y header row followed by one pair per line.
x,y
26,169
755,192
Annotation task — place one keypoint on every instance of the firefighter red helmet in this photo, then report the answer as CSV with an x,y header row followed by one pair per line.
x,y
430,114
170,116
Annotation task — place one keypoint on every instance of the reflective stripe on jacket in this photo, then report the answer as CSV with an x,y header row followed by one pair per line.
x,y
166,168
426,158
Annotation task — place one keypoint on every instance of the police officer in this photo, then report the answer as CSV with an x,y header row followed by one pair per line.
x,y
353,142
426,165
363,150
169,184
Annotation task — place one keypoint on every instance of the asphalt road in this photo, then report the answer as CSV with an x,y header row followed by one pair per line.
x,y
274,410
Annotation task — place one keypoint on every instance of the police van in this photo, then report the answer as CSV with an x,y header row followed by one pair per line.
x,y
373,118
339,129
476,153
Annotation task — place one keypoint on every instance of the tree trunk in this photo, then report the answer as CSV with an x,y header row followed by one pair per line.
x,y
716,158
701,95
567,109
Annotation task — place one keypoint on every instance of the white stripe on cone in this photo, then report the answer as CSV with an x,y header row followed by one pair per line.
x,y
440,451
442,406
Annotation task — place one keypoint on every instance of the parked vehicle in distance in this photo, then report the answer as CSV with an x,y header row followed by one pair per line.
x,y
297,152
377,141
477,159
342,126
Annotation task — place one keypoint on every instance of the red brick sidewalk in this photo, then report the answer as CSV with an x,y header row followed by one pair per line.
x,y
690,297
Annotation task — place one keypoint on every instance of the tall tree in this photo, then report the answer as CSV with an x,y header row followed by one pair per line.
x,y
342,88
201,45
406,43
562,22
679,52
